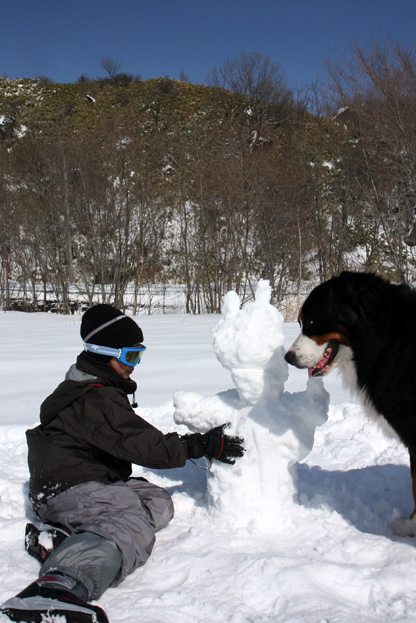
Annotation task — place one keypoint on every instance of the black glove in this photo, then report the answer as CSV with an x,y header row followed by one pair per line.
x,y
214,445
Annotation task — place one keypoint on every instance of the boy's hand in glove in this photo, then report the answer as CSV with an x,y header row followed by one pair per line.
x,y
214,445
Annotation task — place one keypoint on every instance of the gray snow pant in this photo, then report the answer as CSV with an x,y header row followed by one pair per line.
x,y
113,530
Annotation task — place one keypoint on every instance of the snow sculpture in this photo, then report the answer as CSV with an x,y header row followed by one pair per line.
x,y
278,427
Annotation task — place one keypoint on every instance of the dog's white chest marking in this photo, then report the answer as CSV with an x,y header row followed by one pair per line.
x,y
308,353
346,368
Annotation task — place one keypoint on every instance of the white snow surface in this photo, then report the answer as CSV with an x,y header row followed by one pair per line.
x,y
295,532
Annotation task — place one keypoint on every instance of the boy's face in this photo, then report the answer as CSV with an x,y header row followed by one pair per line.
x,y
121,368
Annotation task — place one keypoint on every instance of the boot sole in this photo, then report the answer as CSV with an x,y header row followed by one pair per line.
x,y
22,610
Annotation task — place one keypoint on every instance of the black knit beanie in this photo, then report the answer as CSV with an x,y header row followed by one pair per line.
x,y
106,326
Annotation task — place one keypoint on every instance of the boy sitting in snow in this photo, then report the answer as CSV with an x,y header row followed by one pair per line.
x,y
80,466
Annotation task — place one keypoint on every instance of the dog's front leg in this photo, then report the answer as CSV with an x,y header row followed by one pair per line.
x,y
413,474
407,527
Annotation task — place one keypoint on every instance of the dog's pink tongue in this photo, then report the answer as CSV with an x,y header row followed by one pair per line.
x,y
310,370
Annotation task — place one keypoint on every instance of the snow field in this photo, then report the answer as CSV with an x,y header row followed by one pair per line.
x,y
328,556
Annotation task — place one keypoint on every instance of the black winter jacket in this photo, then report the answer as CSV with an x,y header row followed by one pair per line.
x,y
89,431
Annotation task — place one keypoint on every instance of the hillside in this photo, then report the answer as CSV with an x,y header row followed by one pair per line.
x,y
110,188
39,105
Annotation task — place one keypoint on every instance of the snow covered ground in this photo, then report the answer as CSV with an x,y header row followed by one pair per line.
x,y
329,557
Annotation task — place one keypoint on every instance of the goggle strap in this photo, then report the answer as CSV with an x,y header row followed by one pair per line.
x,y
102,350
103,326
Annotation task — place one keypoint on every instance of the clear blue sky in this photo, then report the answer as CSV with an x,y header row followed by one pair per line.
x,y
62,39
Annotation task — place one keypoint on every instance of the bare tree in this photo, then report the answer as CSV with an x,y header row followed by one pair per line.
x,y
253,75
263,97
376,90
111,66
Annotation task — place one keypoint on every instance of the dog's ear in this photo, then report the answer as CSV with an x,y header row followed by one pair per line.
x,y
346,314
361,296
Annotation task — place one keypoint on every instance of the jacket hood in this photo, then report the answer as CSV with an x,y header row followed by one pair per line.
x,y
64,395
80,379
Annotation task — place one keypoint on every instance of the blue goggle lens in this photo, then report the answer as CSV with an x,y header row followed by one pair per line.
x,y
131,357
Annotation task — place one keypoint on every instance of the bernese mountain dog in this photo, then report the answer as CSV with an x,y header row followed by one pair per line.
x,y
366,327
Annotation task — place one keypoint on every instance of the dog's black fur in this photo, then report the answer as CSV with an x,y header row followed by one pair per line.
x,y
366,326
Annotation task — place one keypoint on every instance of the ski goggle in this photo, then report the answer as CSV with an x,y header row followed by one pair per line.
x,y
129,355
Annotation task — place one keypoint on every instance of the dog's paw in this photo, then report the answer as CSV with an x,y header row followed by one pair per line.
x,y
404,527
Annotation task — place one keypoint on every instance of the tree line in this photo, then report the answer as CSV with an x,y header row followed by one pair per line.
x,y
110,186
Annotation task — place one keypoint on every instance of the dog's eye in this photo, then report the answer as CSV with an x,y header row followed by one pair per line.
x,y
308,324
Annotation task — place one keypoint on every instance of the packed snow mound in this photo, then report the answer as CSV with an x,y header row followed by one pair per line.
x,y
278,427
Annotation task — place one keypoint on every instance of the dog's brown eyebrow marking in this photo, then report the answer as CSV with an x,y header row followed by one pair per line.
x,y
322,339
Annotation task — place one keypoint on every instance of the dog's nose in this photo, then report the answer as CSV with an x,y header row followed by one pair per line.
x,y
290,357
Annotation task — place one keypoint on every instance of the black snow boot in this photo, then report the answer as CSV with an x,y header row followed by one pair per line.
x,y
51,597
40,543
